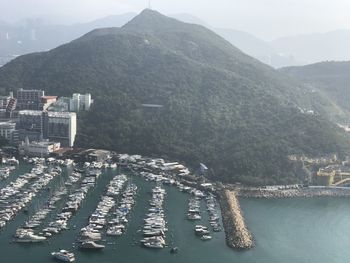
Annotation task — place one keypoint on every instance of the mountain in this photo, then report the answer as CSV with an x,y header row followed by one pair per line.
x,y
216,105
256,47
312,48
332,78
35,35
246,42
32,35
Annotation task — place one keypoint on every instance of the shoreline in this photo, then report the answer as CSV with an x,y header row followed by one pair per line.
x,y
236,232
308,192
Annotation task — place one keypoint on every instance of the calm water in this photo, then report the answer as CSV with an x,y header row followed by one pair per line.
x,y
295,230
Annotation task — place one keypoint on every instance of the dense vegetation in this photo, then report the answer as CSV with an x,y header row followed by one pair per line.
x,y
219,106
332,78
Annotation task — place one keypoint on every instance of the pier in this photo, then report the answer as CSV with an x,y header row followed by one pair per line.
x,y
236,231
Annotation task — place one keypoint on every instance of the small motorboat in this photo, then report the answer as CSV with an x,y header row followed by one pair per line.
x,y
206,237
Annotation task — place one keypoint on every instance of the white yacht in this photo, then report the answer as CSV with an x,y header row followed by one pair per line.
x,y
29,237
91,245
64,255
153,244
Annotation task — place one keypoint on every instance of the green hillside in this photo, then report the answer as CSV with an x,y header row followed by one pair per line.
x,y
219,106
332,78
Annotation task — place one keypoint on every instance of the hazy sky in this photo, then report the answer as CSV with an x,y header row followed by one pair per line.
x,y
267,19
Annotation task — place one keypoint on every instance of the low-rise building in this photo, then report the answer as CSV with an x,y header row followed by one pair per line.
x,y
47,101
98,155
38,149
62,104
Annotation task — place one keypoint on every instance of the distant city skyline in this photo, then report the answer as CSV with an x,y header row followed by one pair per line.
x,y
267,19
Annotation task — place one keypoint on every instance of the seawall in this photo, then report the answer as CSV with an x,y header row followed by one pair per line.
x,y
307,192
237,234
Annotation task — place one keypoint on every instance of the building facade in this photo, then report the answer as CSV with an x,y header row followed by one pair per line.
x,y
61,127
7,129
29,99
47,101
38,149
31,120
7,106
55,126
80,102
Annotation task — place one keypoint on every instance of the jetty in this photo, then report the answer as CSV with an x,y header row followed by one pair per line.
x,y
236,231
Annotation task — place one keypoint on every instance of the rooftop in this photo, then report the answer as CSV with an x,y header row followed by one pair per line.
x,y
30,90
7,123
62,114
49,97
42,143
30,112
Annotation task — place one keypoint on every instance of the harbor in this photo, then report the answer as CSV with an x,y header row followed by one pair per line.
x,y
100,206
269,232
136,208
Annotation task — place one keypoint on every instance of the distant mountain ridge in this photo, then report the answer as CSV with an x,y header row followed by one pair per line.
x,y
318,47
219,106
35,37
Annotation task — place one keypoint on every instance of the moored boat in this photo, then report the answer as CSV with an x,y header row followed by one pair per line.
x,y
91,245
64,255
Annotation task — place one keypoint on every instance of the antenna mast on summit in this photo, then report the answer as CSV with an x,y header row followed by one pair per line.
x,y
149,4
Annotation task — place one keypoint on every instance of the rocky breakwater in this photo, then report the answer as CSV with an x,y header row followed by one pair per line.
x,y
237,234
306,192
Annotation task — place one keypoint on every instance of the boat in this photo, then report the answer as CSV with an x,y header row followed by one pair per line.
x,y
91,236
115,230
201,230
10,161
91,245
113,166
29,237
206,237
68,162
4,173
64,255
153,244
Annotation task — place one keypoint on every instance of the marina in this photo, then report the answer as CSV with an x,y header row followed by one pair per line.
x,y
133,198
154,228
118,222
15,196
98,220
47,213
